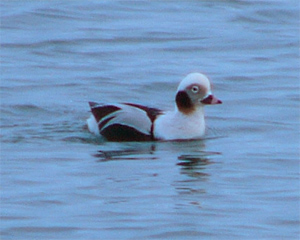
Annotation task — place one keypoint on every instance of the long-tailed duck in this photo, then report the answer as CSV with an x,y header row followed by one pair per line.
x,y
134,122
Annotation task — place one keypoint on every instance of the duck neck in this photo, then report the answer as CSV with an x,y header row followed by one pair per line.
x,y
196,113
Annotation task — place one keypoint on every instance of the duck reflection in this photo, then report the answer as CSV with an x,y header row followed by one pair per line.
x,y
145,152
192,186
190,155
194,165
180,171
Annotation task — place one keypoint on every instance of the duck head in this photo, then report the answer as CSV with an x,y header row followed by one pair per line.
x,y
194,91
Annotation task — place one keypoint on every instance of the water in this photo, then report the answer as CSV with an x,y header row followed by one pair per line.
x,y
60,182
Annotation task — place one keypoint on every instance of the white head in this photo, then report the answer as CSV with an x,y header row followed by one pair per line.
x,y
194,91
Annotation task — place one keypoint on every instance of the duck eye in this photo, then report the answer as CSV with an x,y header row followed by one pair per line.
x,y
195,89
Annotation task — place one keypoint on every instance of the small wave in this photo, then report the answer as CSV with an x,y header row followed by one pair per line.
x,y
22,110
30,107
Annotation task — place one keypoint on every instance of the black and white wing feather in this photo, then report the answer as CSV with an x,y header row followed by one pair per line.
x,y
123,122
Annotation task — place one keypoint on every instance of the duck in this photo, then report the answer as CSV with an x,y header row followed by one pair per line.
x,y
134,122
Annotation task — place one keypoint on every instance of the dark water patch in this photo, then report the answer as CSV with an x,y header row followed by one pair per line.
x,y
95,40
252,19
184,49
40,44
281,15
34,230
55,13
173,234
13,218
86,139
26,107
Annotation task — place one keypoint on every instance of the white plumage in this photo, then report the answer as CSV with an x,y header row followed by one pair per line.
x,y
133,122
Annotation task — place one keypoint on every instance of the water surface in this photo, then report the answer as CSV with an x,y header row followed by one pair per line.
x,y
58,181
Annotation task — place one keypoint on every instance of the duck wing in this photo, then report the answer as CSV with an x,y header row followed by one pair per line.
x,y
125,121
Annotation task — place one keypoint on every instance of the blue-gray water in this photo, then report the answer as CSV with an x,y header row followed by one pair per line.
x,y
59,182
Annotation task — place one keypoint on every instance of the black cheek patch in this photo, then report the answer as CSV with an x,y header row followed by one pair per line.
x,y
184,102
